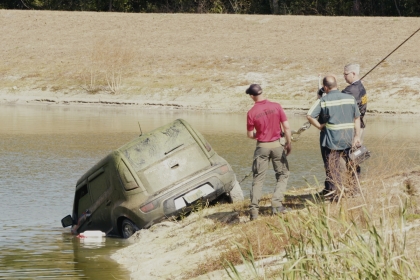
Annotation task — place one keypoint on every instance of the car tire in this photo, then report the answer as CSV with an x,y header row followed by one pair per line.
x,y
128,228
236,194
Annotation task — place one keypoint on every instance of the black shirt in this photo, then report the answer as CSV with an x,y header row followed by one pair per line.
x,y
359,93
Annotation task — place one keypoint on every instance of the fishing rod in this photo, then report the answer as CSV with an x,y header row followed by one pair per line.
x,y
390,53
319,76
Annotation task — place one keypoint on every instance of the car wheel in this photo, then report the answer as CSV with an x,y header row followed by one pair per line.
x,y
236,193
128,228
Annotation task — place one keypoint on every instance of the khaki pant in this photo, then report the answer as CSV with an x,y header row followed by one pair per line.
x,y
262,155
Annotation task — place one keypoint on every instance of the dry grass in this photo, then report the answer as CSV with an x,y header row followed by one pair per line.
x,y
173,54
372,235
256,235
106,66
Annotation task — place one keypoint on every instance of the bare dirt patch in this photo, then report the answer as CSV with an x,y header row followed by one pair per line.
x,y
201,61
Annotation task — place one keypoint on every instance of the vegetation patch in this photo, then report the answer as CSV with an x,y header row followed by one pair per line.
x,y
364,237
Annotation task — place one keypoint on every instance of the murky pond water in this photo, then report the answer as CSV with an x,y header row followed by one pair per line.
x,y
45,149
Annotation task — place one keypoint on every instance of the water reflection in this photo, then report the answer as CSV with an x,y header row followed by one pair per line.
x,y
44,150
56,255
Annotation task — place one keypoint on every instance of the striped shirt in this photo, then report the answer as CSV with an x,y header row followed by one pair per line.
x,y
338,111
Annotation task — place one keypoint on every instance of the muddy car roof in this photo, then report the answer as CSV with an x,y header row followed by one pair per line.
x,y
155,145
150,146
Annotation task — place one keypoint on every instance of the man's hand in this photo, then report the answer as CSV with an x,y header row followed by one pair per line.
x,y
250,134
357,142
288,148
288,135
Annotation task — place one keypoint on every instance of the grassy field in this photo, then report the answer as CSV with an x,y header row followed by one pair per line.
x,y
202,61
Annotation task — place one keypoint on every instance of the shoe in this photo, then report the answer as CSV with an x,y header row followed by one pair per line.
x,y
331,197
253,214
328,195
326,192
281,210
253,217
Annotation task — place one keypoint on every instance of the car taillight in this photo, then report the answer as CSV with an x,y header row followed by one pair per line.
x,y
223,169
148,207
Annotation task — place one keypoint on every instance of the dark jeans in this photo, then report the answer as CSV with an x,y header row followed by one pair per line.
x,y
335,175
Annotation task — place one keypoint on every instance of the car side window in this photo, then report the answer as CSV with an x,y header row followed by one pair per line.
x,y
98,184
83,200
127,178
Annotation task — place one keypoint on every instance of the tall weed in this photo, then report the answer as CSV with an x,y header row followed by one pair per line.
x,y
107,64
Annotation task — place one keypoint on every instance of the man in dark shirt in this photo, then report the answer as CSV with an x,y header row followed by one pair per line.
x,y
356,88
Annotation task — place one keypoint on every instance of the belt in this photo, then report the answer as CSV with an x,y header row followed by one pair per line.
x,y
268,141
271,144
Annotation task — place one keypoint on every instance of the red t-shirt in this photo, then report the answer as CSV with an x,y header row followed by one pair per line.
x,y
265,116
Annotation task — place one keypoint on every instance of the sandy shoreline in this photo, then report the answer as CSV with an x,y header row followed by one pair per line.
x,y
219,104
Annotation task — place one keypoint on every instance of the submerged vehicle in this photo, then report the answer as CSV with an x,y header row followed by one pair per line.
x,y
158,175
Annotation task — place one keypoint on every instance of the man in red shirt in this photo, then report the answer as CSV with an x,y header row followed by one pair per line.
x,y
265,122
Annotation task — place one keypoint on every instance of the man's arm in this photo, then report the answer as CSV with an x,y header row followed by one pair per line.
x,y
357,142
288,134
250,134
362,109
321,91
315,122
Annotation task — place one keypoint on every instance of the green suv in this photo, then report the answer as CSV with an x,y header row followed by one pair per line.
x,y
156,176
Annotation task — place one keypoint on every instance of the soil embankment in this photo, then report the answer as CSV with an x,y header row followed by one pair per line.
x,y
201,62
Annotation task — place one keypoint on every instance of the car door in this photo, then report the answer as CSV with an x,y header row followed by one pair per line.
x,y
82,204
100,191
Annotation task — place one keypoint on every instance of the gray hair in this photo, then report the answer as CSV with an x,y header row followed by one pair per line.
x,y
352,67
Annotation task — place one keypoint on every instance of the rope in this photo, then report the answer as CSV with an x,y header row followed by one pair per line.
x,y
304,127
246,176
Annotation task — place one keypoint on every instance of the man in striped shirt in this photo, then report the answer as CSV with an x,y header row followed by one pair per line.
x,y
337,116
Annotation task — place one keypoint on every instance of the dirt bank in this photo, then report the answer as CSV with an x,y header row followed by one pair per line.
x,y
174,249
201,62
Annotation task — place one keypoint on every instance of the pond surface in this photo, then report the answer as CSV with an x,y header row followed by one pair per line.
x,y
45,149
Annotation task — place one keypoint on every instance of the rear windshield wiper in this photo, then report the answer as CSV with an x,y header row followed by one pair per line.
x,y
173,149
